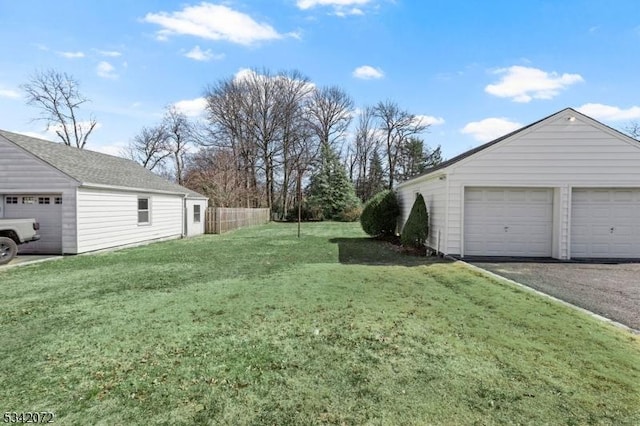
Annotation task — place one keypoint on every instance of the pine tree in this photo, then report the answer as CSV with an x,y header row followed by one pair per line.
x,y
416,229
375,179
330,190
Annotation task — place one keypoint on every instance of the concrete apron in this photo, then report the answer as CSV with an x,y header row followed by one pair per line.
x,y
27,259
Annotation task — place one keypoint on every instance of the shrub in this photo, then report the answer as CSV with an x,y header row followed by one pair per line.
x,y
380,214
350,214
416,229
308,213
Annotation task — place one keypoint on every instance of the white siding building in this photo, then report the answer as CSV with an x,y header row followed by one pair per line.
x,y
86,201
565,187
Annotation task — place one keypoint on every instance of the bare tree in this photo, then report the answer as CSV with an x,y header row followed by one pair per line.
x,y
633,129
330,112
58,97
293,89
366,143
397,126
228,128
149,148
180,134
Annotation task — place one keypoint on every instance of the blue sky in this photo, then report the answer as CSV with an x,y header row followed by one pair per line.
x,y
474,69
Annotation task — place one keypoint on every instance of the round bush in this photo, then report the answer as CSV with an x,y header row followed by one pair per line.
x,y
380,214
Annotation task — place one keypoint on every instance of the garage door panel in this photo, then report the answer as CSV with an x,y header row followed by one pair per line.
x,y
625,214
508,222
47,213
624,196
605,223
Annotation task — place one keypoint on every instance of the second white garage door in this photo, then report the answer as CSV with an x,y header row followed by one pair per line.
x,y
508,222
605,223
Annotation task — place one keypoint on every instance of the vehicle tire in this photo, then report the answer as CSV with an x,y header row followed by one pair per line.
x,y
8,250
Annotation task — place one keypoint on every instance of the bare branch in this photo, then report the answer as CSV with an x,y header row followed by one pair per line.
x,y
58,98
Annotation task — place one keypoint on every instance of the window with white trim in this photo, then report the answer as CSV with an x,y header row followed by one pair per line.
x,y
58,200
196,213
144,211
44,200
11,200
28,200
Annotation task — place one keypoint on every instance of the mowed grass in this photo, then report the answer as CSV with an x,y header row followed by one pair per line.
x,y
260,327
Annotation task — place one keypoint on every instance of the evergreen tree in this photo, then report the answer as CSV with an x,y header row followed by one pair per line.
x,y
331,193
416,228
374,182
416,157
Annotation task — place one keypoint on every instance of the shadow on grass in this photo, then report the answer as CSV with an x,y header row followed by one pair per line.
x,y
369,251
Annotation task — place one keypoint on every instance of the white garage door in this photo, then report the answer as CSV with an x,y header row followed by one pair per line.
x,y
508,222
47,210
605,223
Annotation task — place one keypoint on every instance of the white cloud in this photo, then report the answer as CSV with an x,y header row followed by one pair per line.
x,y
71,55
191,107
9,93
244,74
114,149
109,53
198,54
522,84
340,7
367,72
490,128
608,112
50,133
212,22
106,70
430,120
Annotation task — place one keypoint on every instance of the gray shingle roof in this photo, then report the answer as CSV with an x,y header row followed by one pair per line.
x,y
90,167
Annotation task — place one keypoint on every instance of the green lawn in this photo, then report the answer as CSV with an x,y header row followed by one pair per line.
x,y
259,327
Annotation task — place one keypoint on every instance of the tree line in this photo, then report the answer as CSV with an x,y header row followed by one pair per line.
x,y
265,139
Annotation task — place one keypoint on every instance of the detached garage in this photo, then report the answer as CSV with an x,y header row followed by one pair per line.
x,y
565,187
86,201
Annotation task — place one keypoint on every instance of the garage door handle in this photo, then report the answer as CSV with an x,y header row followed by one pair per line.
x,y
611,230
506,229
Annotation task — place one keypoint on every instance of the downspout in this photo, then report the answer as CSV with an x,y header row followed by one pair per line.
x,y
184,216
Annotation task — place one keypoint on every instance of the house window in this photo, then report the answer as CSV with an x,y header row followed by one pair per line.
x,y
44,200
11,200
58,200
28,200
196,213
144,214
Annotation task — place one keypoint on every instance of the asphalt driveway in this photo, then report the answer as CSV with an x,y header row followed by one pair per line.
x,y
608,289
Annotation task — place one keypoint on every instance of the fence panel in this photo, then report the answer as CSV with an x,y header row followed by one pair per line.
x,y
221,219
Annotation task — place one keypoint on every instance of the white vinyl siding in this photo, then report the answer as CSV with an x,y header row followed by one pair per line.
x,y
556,153
195,227
508,222
110,218
434,193
21,173
605,223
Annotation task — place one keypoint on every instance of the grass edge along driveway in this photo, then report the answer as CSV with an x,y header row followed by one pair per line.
x,y
259,327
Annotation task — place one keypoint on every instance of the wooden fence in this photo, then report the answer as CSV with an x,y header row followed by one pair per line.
x,y
219,219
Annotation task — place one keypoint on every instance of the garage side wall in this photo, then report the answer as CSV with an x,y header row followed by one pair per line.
x,y
109,219
563,153
22,173
435,196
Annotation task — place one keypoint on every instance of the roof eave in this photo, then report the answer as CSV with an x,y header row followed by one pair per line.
x,y
131,189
